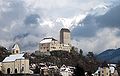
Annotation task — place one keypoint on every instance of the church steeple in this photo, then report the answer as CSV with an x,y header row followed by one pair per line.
x,y
15,49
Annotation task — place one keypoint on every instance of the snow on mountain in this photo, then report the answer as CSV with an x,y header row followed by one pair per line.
x,y
73,21
99,10
47,22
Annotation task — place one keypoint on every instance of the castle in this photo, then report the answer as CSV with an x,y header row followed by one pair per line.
x,y
51,44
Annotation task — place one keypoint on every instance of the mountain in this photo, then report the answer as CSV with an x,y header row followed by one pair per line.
x,y
110,55
99,10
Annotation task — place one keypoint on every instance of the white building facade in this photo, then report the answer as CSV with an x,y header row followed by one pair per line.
x,y
107,70
51,44
15,64
15,49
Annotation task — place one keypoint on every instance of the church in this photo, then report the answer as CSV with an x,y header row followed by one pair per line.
x,y
15,63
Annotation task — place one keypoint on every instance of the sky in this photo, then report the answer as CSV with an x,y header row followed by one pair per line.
x,y
94,24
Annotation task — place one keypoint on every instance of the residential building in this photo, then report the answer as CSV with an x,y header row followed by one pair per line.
x,y
66,70
106,70
0,66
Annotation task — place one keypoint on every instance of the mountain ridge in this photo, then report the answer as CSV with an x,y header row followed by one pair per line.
x,y
110,55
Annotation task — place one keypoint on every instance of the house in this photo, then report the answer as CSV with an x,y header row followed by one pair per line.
x,y
106,70
66,70
0,66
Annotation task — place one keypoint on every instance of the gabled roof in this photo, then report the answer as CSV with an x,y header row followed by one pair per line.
x,y
15,46
47,40
13,57
104,64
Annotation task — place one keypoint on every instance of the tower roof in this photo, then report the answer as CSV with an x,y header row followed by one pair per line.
x,y
65,30
104,64
13,57
15,46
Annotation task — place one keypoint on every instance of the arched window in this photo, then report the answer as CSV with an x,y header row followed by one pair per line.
x,y
16,51
8,71
15,70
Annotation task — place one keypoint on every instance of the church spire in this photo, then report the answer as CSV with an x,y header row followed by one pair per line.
x,y
15,49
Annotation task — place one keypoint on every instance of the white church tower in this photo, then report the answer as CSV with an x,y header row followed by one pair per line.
x,y
15,49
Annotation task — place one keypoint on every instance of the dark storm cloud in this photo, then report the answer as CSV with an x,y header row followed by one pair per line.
x,y
87,28
18,25
32,19
20,36
92,23
110,19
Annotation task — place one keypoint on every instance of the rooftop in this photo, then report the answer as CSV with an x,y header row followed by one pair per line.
x,y
13,57
47,40
15,46
65,30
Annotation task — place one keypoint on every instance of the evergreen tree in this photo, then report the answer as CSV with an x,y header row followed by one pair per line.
x,y
79,71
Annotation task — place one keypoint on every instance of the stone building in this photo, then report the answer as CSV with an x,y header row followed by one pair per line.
x,y
106,70
65,37
51,44
15,64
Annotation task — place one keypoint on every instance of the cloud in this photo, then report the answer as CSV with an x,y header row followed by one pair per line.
x,y
32,19
105,39
87,28
18,25
93,23
99,32
28,21
111,18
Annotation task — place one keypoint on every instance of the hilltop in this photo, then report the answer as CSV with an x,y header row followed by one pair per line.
x,y
110,55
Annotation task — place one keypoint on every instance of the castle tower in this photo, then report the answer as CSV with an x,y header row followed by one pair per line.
x,y
15,49
65,37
